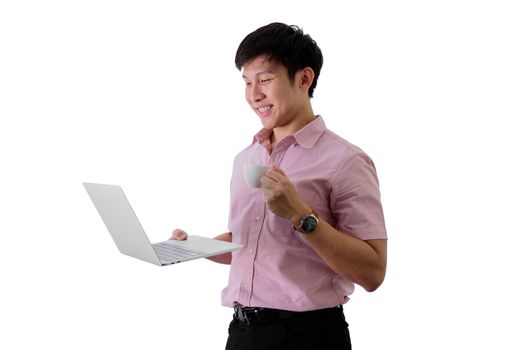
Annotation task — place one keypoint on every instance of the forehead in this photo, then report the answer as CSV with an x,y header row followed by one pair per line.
x,y
260,65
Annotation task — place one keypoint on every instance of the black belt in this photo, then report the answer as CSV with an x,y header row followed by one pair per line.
x,y
258,315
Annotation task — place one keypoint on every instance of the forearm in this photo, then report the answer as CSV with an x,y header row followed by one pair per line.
x,y
363,262
223,258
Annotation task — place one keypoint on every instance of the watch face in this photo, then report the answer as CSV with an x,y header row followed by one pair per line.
x,y
309,224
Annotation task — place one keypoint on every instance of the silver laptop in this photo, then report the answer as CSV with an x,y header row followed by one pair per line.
x,y
130,238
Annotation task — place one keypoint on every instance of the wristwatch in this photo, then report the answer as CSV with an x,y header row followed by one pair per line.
x,y
308,223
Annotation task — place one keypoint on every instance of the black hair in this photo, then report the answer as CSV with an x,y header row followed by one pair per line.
x,y
287,45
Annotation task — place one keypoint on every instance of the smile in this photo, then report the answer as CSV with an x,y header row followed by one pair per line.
x,y
264,109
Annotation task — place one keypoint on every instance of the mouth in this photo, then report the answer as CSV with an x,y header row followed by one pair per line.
x,y
264,110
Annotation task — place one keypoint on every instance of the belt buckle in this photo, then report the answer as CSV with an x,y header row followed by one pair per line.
x,y
246,315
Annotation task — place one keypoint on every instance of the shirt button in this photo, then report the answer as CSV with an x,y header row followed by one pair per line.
x,y
257,218
250,251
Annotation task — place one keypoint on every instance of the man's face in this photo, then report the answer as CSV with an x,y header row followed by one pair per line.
x,y
270,93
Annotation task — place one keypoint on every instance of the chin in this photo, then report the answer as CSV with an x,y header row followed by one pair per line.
x,y
269,126
266,123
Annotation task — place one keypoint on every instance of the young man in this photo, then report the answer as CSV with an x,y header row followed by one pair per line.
x,y
315,227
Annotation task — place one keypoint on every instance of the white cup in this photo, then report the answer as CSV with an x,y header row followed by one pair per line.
x,y
253,173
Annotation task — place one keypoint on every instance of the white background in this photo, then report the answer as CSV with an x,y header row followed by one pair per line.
x,y
145,94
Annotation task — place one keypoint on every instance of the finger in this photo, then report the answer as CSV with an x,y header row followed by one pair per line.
x,y
276,176
271,188
266,183
277,169
179,235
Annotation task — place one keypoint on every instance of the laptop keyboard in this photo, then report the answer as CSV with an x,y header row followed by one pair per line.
x,y
167,252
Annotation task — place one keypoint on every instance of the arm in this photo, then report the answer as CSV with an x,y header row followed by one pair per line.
x,y
363,262
222,258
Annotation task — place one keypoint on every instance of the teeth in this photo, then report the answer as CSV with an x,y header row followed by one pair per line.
x,y
264,109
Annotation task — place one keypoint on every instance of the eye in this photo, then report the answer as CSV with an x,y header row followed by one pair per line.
x,y
248,83
265,81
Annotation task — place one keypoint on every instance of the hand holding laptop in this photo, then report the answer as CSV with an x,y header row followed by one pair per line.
x,y
179,235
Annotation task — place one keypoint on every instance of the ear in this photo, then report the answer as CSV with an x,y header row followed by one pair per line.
x,y
305,78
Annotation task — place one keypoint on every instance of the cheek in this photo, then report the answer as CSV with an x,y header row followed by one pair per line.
x,y
281,95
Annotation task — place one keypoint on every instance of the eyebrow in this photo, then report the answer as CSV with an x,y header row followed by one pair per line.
x,y
266,71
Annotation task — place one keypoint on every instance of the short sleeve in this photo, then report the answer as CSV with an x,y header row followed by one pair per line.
x,y
355,199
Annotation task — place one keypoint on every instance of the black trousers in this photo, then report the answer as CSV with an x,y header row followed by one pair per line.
x,y
316,331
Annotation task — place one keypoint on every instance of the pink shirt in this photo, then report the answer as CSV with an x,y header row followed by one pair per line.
x,y
277,268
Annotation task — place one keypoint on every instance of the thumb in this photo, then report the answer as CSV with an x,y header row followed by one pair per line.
x,y
179,235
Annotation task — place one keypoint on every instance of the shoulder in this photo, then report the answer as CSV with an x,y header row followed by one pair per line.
x,y
344,151
247,150
253,153
351,166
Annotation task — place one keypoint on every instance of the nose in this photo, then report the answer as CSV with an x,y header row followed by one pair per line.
x,y
253,93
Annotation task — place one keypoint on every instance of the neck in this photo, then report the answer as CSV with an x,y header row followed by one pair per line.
x,y
292,127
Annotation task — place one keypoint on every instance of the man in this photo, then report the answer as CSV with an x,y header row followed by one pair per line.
x,y
315,227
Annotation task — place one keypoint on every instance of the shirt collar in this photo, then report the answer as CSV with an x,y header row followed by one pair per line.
x,y
305,137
